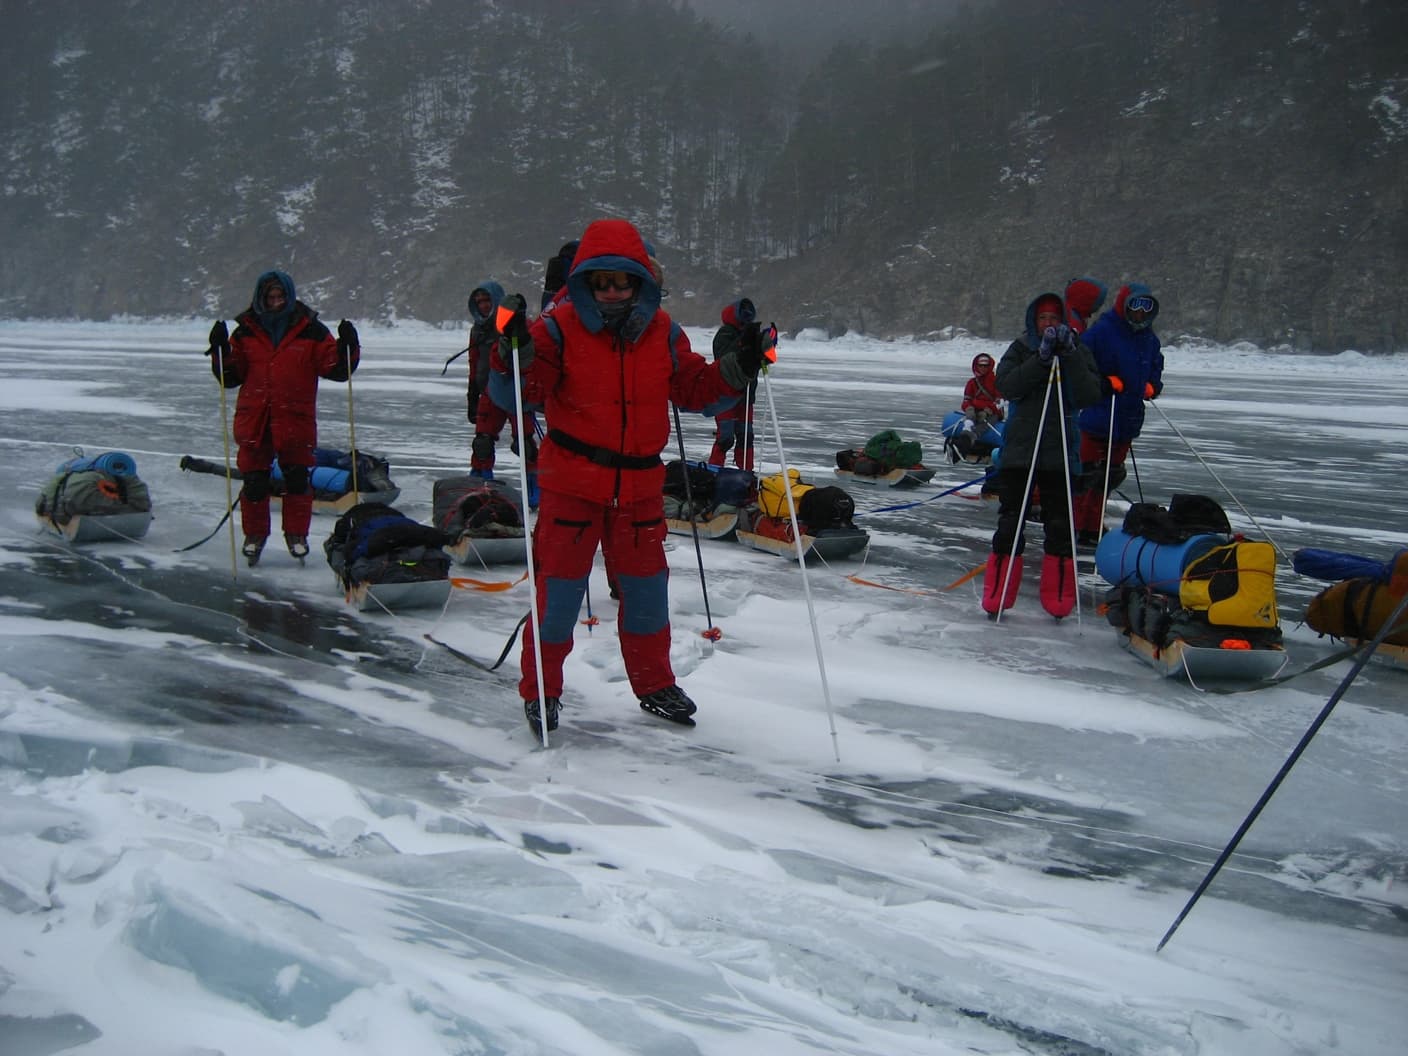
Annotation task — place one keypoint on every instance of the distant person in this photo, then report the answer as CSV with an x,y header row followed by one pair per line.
x,y
484,300
1130,360
555,276
733,428
497,406
1084,296
608,362
981,406
275,357
1025,377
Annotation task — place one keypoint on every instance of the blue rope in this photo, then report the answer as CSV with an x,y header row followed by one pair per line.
x,y
931,498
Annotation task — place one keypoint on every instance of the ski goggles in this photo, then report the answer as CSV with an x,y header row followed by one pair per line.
x,y
1142,303
601,281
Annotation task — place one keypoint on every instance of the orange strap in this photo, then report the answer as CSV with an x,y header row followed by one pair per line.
x,y
463,582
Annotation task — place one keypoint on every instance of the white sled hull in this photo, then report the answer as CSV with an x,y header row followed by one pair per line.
x,y
831,544
340,505
1199,664
499,550
719,526
399,597
896,478
100,528
1393,655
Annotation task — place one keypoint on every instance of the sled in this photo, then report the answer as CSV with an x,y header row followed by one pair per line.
x,y
899,477
1205,663
980,449
721,524
828,544
327,479
1392,655
100,528
488,550
399,597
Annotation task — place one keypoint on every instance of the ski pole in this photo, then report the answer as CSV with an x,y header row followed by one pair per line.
x,y
352,427
220,346
712,633
1138,484
1104,495
1224,487
1020,532
504,317
1066,466
1388,627
801,562
1109,458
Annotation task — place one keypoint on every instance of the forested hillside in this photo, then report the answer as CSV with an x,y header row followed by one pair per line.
x,y
1245,160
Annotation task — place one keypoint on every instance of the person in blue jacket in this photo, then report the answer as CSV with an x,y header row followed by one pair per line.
x,y
1131,365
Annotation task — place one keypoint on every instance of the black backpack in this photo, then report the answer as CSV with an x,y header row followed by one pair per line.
x,y
1186,516
829,507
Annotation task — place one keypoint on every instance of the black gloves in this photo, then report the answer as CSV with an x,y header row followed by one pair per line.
x,y
348,341
472,398
1066,340
516,329
755,347
219,339
219,353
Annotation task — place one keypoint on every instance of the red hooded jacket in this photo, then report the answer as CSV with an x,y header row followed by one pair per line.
x,y
278,382
607,391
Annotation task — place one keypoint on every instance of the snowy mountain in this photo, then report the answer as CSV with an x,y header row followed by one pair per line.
x,y
238,816
1245,160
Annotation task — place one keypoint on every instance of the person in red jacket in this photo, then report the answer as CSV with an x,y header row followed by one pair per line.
x,y
275,357
607,362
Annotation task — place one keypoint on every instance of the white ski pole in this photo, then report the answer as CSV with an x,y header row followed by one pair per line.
x,y
528,539
802,564
1066,465
1026,494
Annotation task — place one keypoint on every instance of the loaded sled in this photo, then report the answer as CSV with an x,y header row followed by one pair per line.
x,y
706,499
383,560
482,517
966,441
1188,597
332,479
97,499
1355,608
887,459
824,517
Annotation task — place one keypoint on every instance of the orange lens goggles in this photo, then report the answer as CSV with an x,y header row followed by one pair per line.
x,y
612,280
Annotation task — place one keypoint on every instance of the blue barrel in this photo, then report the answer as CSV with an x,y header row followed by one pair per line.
x,y
118,463
1133,561
325,480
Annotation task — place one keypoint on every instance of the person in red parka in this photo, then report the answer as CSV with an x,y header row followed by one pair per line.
x,y
275,357
607,362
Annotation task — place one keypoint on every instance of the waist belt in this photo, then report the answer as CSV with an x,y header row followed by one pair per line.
x,y
602,456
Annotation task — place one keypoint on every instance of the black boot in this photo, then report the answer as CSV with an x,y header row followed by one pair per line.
x,y
669,703
533,714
